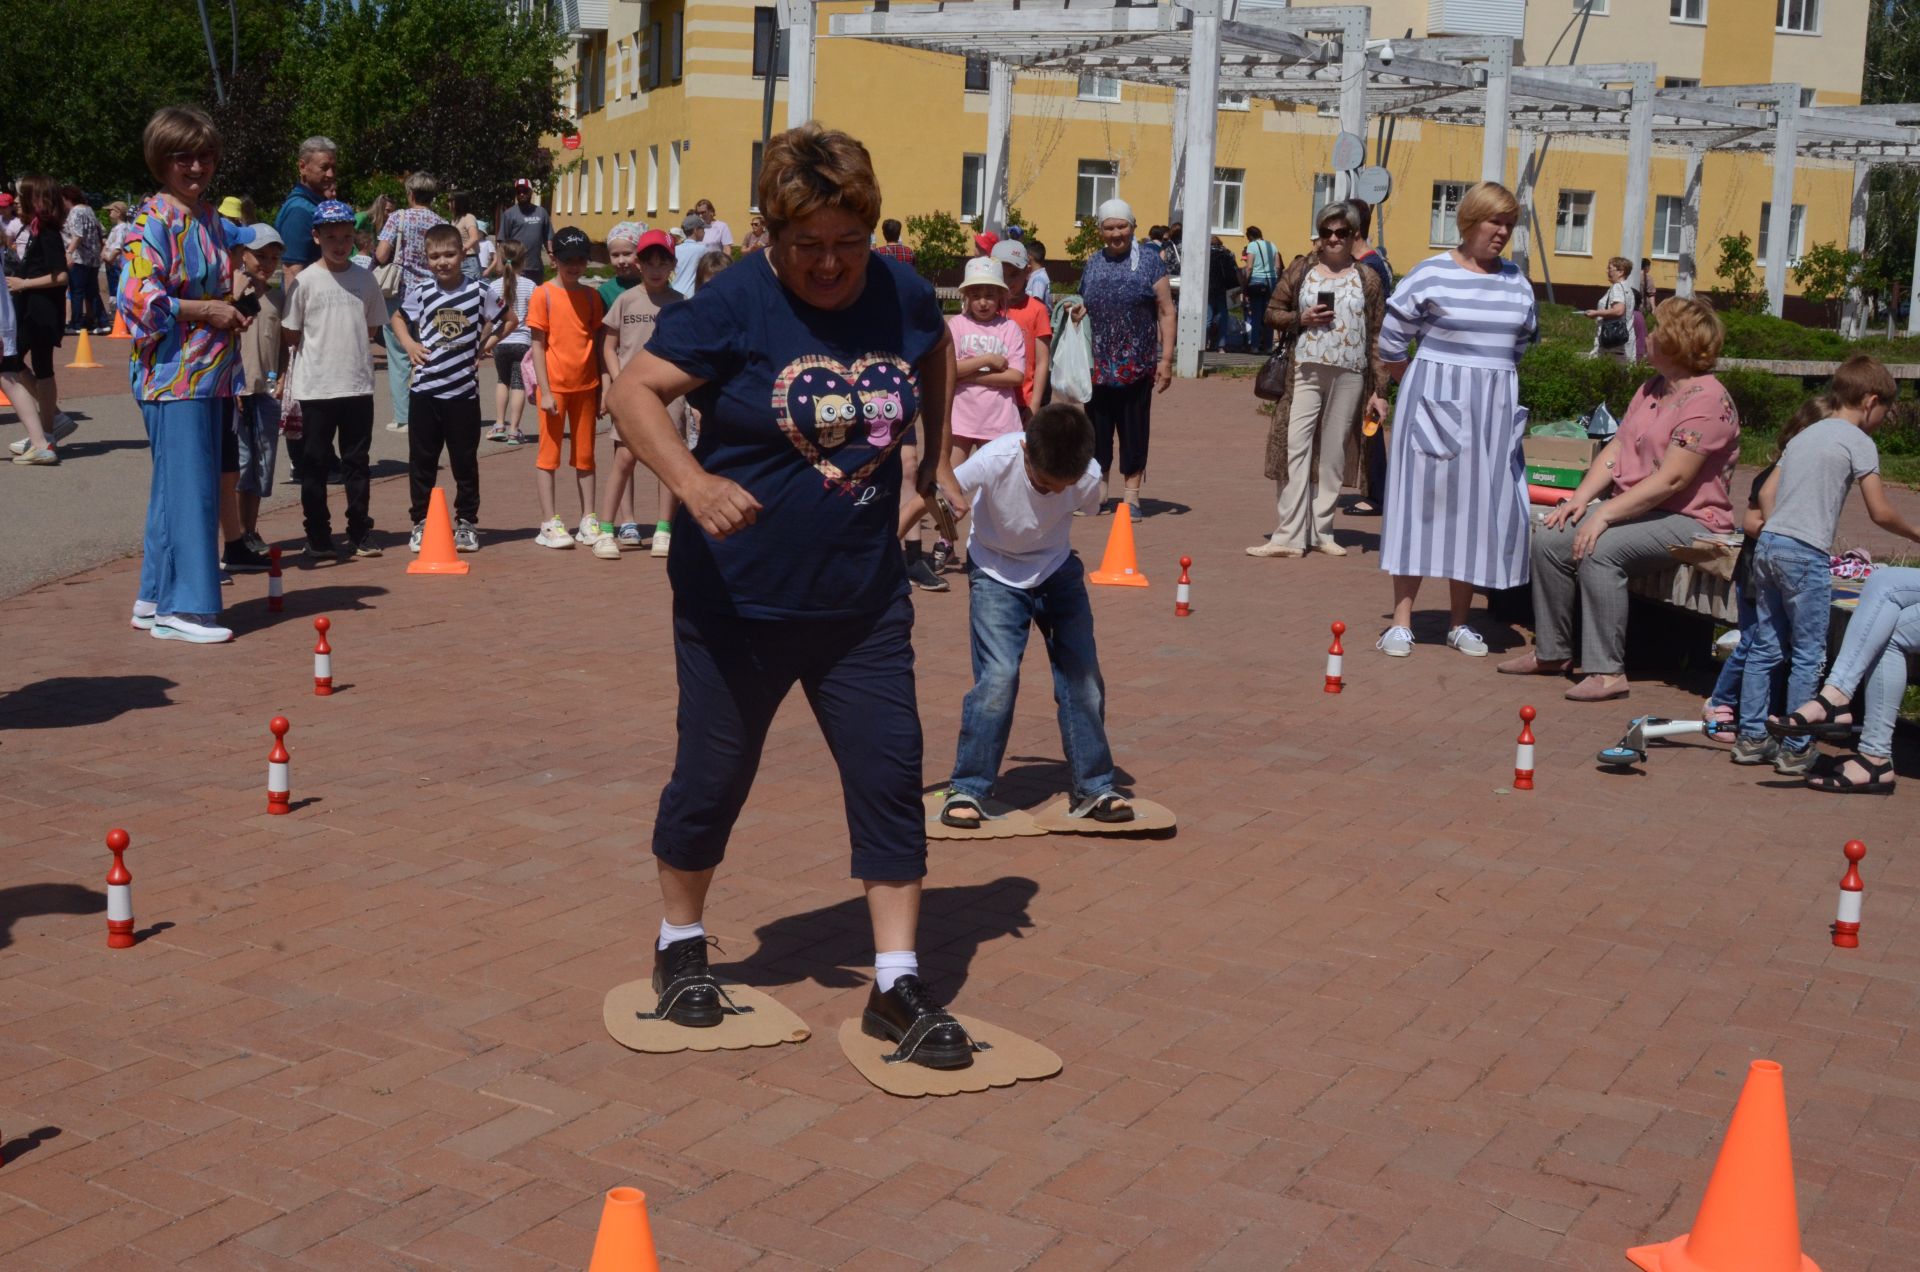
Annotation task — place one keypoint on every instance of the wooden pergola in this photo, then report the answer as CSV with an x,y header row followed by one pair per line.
x,y
1322,56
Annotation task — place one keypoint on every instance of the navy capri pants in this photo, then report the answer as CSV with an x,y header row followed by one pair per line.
x,y
857,674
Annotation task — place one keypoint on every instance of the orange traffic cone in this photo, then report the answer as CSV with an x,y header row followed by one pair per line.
x,y
83,356
437,555
119,331
625,1240
1748,1221
1119,567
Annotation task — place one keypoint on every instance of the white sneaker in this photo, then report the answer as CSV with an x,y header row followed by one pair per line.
x,y
607,548
1269,548
394,426
1328,547
662,541
143,615
42,458
466,538
1396,642
1729,640
589,532
1468,642
419,533
190,628
553,534
64,426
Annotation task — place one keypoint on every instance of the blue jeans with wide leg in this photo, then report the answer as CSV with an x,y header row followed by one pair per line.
x,y
180,557
999,618
1794,593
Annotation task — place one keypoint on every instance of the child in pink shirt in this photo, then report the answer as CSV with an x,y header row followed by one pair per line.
x,y
992,353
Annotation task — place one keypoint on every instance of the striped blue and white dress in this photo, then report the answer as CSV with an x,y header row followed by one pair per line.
x,y
1457,494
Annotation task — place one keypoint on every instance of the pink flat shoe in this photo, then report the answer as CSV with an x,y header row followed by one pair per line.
x,y
1598,689
1529,664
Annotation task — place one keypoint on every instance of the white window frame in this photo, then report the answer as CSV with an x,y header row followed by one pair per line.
x,y
1599,9
1228,184
1094,87
599,184
633,182
1692,12
1669,211
1570,204
673,177
1109,181
1797,17
1324,186
1679,81
586,189
1235,101
973,186
1796,234
653,180
1442,228
1808,96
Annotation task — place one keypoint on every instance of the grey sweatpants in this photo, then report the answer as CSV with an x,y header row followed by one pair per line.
x,y
1626,549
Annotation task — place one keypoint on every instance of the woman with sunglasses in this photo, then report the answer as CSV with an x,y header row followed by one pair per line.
x,y
1330,309
185,366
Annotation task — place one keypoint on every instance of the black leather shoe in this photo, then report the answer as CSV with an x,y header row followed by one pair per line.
x,y
892,1015
697,1005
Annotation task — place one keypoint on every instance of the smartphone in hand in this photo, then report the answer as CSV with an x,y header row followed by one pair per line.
x,y
1324,299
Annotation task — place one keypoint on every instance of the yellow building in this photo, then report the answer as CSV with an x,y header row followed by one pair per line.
x,y
669,95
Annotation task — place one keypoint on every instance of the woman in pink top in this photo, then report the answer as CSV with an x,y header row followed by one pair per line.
x,y
1661,482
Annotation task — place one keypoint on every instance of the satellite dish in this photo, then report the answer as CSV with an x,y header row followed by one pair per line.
x,y
1373,185
1349,152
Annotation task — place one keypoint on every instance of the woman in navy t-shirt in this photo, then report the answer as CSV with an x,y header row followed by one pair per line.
x,y
807,362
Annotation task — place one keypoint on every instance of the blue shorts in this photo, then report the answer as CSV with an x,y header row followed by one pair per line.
x,y
858,677
256,429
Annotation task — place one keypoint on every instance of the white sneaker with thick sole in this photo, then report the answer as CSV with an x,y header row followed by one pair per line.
x,y
1395,642
466,537
607,548
64,426
419,533
1272,549
553,534
143,615
1468,642
662,542
190,629
589,532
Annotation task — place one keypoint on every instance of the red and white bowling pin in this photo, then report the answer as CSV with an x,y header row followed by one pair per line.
x,y
1183,591
275,601
1523,752
279,793
119,895
1846,927
322,659
1336,660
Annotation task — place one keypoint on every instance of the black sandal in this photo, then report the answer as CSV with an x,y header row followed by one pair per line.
x,y
1831,728
1111,808
1363,508
1836,782
958,802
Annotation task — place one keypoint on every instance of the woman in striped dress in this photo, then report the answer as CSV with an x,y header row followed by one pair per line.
x,y
1457,506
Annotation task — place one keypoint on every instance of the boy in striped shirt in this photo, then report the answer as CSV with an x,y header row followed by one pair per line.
x,y
446,325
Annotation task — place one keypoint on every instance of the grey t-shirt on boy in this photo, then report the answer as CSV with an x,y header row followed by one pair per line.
x,y
1816,471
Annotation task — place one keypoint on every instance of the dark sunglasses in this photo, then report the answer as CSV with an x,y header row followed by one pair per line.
x,y
1336,235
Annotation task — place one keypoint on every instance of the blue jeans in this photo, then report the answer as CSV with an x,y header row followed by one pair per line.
x,y
83,297
1794,587
1255,300
1220,321
399,367
1884,629
180,557
1726,690
999,616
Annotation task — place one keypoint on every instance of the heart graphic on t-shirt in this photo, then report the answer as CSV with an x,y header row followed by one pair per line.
x,y
857,413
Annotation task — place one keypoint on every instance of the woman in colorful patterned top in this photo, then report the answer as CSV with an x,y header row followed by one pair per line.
x,y
403,236
1124,287
186,362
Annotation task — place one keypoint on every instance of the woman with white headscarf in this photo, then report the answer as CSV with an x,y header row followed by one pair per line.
x,y
1124,289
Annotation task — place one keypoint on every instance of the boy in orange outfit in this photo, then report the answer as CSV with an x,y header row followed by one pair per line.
x,y
564,317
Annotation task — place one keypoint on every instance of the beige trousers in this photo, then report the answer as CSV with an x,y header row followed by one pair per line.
x,y
1326,400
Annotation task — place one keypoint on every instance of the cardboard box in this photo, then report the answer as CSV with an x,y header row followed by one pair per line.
x,y
1559,462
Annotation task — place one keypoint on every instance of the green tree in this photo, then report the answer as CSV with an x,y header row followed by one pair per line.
x,y
1892,74
939,243
1085,241
1826,273
1736,271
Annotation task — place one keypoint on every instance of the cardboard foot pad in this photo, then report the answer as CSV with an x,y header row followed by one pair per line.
x,y
1009,1058
1147,816
768,1024
1003,821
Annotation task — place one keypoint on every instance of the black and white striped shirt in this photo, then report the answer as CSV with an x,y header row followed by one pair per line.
x,y
449,323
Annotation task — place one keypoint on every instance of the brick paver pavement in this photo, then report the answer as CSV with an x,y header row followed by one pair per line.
x,y
1368,1009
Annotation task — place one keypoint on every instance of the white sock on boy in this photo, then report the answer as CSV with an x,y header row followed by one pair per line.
x,y
890,965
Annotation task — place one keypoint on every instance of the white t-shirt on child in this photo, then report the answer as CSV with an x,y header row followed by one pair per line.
x,y
1019,536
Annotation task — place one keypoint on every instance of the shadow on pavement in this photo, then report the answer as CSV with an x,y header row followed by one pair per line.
x,y
71,449
302,603
15,1148
63,702
833,946
25,900
1035,780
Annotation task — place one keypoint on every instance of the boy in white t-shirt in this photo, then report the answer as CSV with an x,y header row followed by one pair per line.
x,y
1024,489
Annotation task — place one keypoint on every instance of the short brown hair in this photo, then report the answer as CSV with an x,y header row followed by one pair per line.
x,y
1060,440
1622,264
1483,202
1686,329
441,234
1861,377
809,168
174,130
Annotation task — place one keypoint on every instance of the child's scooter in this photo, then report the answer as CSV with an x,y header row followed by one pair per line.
x,y
1632,749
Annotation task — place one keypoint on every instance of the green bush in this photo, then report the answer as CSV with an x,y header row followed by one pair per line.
x,y
1764,336
1559,383
939,243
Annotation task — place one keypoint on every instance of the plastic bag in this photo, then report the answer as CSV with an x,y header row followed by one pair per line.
x,y
1576,429
1601,424
1072,372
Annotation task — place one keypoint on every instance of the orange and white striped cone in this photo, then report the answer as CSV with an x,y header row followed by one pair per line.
x,y
1523,752
1336,660
1183,591
119,894
322,660
279,795
1846,927
275,595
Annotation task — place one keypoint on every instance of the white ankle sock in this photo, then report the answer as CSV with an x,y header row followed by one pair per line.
x,y
890,965
669,933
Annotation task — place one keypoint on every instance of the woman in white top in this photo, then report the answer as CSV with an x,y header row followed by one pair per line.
x,y
511,293
1613,319
1333,377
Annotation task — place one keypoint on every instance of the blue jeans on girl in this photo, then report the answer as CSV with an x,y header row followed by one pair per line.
x,y
1795,593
